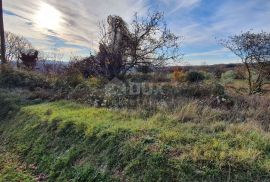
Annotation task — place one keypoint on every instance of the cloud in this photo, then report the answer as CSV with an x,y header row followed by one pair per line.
x,y
177,5
79,20
216,20
201,22
216,52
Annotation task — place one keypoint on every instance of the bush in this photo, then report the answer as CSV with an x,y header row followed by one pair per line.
x,y
207,75
9,103
29,58
10,77
96,82
228,76
201,90
70,79
218,72
144,69
241,72
179,76
195,76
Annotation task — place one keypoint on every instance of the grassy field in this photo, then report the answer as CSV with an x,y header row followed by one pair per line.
x,y
65,141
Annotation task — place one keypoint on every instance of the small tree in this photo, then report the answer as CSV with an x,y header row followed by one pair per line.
x,y
146,41
254,51
29,58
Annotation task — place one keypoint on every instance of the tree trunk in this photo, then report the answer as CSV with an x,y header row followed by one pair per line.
x,y
2,32
249,77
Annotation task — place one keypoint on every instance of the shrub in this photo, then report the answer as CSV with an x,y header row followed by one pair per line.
x,y
228,76
96,82
144,69
10,77
195,76
9,103
207,75
201,90
72,78
218,72
29,58
241,72
179,76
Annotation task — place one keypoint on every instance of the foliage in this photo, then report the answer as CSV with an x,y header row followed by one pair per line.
x,y
179,76
241,72
195,76
228,76
207,75
9,103
29,58
144,69
10,77
94,90
96,82
72,78
88,67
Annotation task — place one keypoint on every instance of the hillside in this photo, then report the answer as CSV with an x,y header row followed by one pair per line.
x,y
60,141
134,91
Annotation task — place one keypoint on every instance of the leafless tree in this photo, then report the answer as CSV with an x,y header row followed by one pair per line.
x,y
146,41
15,45
254,51
2,34
152,42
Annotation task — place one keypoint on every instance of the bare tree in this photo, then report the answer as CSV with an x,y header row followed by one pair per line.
x,y
2,32
145,42
15,45
254,51
152,43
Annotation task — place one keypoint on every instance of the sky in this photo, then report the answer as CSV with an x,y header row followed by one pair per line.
x,y
70,27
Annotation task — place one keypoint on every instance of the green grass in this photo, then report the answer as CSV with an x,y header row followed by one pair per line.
x,y
11,170
73,142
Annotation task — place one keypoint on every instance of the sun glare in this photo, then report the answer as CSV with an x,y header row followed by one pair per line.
x,y
48,17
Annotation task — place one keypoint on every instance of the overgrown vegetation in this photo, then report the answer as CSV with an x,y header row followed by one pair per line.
x,y
66,141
